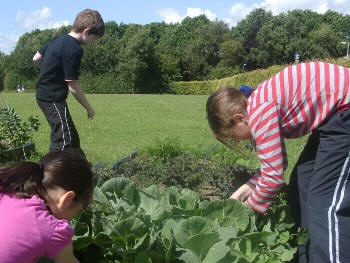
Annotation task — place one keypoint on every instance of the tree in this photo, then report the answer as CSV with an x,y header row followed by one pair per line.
x,y
2,70
202,53
325,43
138,67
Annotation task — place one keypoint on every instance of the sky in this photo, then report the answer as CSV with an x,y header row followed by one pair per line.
x,y
22,16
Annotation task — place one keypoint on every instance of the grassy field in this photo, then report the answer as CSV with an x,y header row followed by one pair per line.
x,y
126,123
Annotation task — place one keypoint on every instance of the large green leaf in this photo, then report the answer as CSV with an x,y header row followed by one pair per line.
x,y
227,233
123,188
201,243
115,185
103,240
267,238
188,228
187,256
219,253
129,227
189,200
170,196
168,229
143,257
100,198
149,202
228,212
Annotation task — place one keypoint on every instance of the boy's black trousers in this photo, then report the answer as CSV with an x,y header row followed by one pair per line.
x,y
63,131
319,192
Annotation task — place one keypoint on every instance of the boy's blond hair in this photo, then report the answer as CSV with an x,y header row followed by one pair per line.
x,y
91,19
221,106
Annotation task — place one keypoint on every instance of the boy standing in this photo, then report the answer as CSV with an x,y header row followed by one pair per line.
x,y
59,72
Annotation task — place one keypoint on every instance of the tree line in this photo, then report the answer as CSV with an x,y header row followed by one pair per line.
x,y
133,58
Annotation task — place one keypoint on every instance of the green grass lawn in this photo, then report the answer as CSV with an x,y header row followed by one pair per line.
x,y
126,123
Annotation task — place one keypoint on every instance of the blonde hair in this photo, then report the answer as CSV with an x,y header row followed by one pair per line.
x,y
221,106
91,19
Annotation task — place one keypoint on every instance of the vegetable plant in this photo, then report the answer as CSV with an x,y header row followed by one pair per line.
x,y
127,224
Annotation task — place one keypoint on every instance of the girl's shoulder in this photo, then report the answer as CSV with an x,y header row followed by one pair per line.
x,y
33,208
46,235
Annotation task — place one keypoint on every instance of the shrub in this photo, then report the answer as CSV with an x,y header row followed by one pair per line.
x,y
252,78
103,84
192,87
12,79
14,132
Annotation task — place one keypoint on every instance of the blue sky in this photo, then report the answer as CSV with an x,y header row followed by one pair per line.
x,y
19,16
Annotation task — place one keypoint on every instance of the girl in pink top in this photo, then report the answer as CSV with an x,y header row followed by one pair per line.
x,y
303,98
36,202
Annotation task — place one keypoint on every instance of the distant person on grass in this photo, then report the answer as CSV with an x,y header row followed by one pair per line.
x,y
59,72
37,200
310,97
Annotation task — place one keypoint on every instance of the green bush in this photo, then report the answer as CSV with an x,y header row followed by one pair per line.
x,y
207,87
252,78
12,79
192,87
14,132
103,84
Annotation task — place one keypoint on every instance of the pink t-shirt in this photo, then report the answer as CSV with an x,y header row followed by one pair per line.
x,y
28,230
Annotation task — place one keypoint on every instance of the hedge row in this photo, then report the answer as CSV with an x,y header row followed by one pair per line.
x,y
252,78
100,84
103,84
110,83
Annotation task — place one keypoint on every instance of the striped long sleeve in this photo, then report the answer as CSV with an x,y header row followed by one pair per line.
x,y
289,105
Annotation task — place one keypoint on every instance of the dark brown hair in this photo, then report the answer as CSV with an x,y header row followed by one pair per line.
x,y
91,19
67,169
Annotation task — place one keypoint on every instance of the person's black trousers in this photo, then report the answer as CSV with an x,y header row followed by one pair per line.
x,y
63,131
319,192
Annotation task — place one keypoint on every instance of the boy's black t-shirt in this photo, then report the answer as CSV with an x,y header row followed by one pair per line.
x,y
60,62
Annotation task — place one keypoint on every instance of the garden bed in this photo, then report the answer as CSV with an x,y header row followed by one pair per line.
x,y
169,205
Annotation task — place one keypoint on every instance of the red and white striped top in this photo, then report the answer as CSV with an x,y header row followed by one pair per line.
x,y
289,105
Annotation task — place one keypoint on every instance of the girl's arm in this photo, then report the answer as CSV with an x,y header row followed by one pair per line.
x,y
66,255
243,192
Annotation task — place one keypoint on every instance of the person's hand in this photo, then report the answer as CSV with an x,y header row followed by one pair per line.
x,y
90,113
243,192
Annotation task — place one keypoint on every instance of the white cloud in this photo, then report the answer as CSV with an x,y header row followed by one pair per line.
x,y
170,15
239,10
339,2
8,42
38,19
322,8
193,12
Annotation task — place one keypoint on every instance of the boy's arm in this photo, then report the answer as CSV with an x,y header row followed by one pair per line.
x,y
66,255
37,57
74,88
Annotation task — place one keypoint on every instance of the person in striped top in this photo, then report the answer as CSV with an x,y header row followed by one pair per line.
x,y
303,98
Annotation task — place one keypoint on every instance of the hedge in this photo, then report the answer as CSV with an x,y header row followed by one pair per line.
x,y
102,84
252,78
